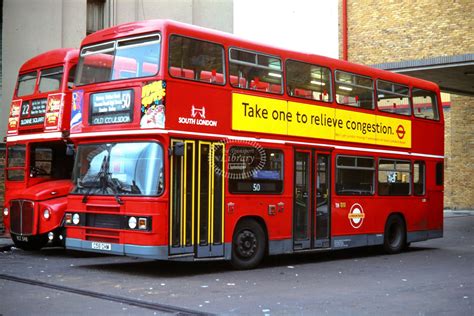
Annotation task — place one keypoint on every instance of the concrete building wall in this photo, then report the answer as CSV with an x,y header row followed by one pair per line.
x,y
215,14
392,31
31,27
73,24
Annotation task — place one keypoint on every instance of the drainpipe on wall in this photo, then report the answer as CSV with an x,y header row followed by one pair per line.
x,y
344,29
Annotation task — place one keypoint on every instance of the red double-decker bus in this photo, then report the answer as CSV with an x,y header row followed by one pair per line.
x,y
39,157
197,145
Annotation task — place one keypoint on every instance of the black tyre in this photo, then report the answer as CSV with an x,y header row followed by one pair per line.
x,y
395,235
33,243
248,245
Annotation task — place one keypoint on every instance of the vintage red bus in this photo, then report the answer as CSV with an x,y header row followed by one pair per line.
x,y
39,160
197,145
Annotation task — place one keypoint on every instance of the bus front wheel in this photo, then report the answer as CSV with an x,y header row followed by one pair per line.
x,y
248,245
395,235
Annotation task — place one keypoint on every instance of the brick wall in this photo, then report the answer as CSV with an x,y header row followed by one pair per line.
x,y
459,161
2,184
399,30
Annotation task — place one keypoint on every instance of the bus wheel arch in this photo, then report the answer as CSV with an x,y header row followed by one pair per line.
x,y
395,233
249,242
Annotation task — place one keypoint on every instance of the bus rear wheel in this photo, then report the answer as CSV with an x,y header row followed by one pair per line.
x,y
395,235
248,245
34,242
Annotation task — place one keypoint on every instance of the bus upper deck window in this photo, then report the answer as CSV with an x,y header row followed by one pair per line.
x,y
393,98
255,71
196,60
354,90
308,81
424,104
50,79
125,58
26,84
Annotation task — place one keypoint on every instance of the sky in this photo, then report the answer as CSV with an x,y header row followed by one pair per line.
x,y
302,25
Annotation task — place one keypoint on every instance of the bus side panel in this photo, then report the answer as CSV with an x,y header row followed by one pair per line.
x,y
279,224
343,223
422,143
435,197
197,107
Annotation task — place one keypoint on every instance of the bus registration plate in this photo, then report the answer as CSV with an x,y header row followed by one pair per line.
x,y
101,246
22,238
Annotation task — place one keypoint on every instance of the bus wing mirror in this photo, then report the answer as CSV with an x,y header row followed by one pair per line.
x,y
178,149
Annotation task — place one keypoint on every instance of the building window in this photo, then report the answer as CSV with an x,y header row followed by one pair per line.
x,y
95,15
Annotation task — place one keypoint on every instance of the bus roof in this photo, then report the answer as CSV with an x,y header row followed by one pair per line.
x,y
148,26
51,57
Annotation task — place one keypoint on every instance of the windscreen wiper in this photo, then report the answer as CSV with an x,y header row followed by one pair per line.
x,y
107,181
111,183
97,177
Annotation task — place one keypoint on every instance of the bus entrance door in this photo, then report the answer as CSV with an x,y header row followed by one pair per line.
x,y
197,198
311,217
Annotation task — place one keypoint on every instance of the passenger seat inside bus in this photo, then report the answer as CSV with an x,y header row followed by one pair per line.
x,y
182,73
208,76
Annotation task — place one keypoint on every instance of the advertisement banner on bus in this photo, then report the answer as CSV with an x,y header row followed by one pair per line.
x,y
268,115
14,119
54,109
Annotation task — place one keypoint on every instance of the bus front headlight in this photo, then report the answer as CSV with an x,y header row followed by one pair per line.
x,y
132,222
75,219
46,214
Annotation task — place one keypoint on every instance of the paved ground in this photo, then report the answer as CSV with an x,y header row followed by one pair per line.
x,y
433,277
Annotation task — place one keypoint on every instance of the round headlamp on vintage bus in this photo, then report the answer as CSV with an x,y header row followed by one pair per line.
x,y
132,222
46,214
75,219
6,211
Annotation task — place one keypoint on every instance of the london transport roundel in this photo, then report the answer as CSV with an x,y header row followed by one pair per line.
x,y
356,215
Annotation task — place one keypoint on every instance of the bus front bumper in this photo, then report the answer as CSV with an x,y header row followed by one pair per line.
x,y
149,252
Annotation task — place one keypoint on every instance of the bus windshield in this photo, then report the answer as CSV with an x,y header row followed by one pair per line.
x,y
132,168
121,59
